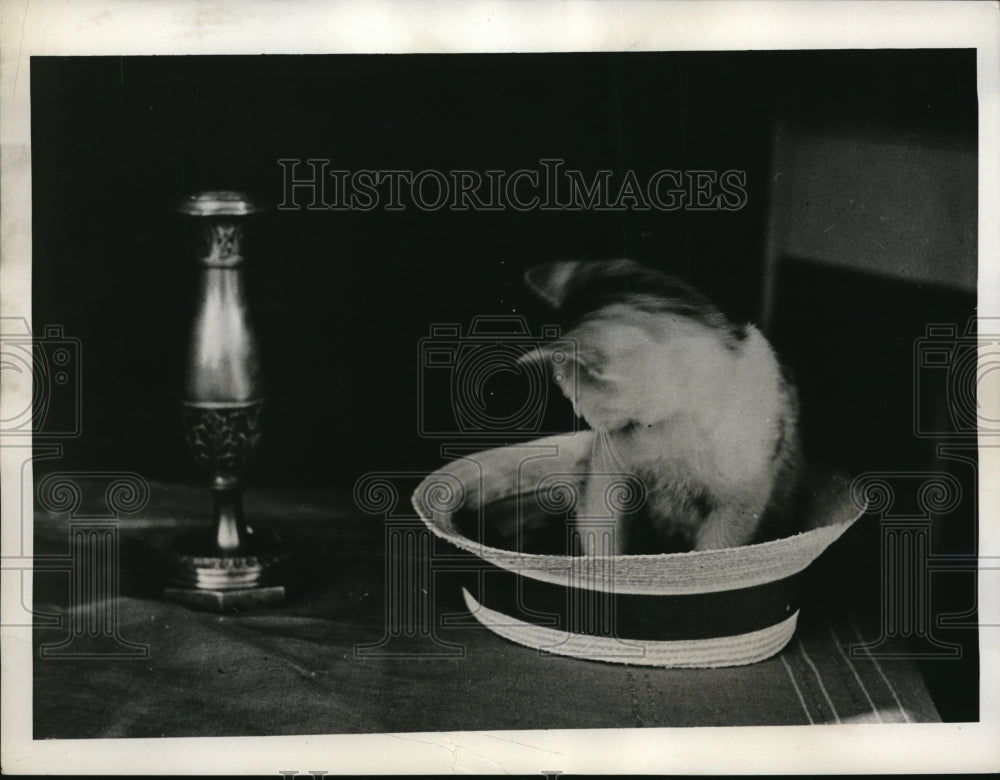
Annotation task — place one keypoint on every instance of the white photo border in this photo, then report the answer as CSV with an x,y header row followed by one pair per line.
x,y
118,27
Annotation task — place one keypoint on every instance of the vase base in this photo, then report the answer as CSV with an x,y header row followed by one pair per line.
x,y
240,600
197,563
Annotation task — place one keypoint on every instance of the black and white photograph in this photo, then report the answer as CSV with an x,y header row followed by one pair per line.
x,y
566,398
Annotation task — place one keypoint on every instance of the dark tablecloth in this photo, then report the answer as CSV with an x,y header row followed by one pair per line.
x,y
297,668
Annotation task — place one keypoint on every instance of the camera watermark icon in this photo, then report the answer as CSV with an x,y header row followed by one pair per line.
x,y
53,362
956,380
494,382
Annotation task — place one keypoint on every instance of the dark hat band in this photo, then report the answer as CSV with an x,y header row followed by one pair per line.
x,y
633,616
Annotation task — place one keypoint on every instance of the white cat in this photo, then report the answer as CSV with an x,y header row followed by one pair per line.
x,y
697,408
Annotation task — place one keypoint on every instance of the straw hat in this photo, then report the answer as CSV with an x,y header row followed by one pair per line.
x,y
694,609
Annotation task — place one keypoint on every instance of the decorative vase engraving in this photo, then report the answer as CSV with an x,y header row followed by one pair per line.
x,y
222,243
223,439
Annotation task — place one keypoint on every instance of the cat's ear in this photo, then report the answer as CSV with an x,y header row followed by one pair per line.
x,y
551,280
537,355
596,366
590,363
543,355
597,370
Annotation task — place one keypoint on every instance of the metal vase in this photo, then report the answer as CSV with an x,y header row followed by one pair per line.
x,y
232,565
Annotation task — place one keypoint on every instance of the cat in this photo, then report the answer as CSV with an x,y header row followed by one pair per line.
x,y
697,408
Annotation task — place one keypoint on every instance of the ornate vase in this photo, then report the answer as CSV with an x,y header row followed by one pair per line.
x,y
231,565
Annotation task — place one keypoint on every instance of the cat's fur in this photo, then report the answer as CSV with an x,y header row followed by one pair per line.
x,y
697,408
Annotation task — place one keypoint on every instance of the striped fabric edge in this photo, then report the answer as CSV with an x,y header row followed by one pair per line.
x,y
736,650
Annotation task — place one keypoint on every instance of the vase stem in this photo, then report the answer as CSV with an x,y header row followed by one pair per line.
x,y
230,528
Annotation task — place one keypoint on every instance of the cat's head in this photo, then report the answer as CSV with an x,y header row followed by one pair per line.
x,y
577,288
644,340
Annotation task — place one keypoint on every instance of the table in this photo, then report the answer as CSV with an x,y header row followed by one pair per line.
x,y
320,663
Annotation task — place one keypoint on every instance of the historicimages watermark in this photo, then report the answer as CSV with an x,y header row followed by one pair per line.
x,y
313,184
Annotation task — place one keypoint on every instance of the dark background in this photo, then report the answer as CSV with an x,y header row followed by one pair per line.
x,y
340,300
